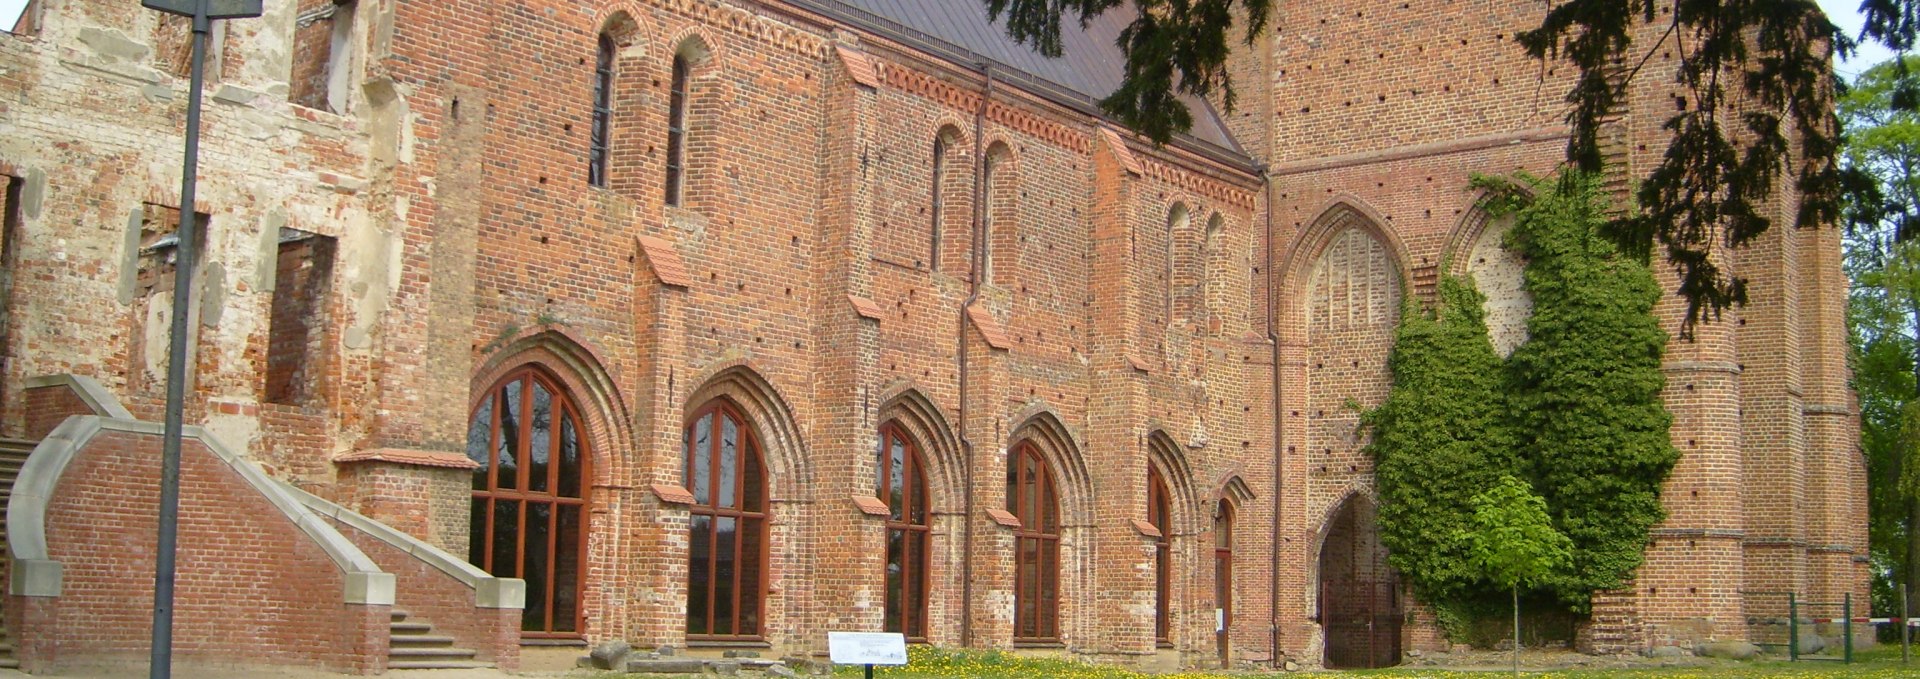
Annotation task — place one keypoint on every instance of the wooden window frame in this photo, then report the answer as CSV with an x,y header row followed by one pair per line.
x,y
1160,514
564,408
911,516
600,132
1039,514
749,452
1223,578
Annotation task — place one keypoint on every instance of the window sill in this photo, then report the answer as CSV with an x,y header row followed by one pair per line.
x,y
1038,643
746,642
554,642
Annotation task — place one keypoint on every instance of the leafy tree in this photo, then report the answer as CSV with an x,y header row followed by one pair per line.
x,y
1586,384
1514,542
1441,436
1882,160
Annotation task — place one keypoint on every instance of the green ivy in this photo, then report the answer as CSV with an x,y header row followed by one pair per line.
x,y
1576,410
1586,384
1441,436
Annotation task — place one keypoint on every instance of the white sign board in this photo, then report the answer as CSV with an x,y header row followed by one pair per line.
x,y
867,648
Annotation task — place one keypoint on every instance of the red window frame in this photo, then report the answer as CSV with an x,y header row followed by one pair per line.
x,y
547,614
901,482
1160,514
737,611
1034,499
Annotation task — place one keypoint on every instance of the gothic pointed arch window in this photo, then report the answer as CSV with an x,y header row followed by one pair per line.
x,y
529,500
727,523
1032,497
600,135
1160,514
902,483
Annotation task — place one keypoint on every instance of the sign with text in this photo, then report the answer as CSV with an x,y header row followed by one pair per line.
x,y
867,648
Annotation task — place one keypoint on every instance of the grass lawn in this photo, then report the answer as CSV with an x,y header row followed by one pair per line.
x,y
1877,663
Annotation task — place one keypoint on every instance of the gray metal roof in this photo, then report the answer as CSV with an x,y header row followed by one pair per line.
x,y
1089,68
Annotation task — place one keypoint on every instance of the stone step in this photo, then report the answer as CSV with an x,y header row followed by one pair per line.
x,y
409,627
398,615
430,652
419,640
9,663
437,664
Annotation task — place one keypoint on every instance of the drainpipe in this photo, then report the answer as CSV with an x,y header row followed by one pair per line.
x,y
1273,338
974,272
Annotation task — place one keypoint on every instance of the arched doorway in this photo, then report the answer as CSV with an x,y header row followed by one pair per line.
x,y
727,523
902,484
529,502
1033,498
1359,592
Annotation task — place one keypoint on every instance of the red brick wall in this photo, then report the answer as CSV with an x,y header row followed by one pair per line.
x,y
428,594
47,407
251,587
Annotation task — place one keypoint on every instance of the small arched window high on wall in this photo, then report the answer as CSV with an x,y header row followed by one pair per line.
x,y
1160,514
1177,222
1031,497
938,197
1223,579
600,135
529,517
677,128
902,483
727,522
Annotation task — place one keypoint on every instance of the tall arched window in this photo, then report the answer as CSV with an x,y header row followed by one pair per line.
x,y
903,484
599,136
1223,578
939,197
677,128
1031,497
529,506
726,552
1160,514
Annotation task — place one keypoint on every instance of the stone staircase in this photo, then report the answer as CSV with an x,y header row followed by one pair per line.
x,y
414,646
13,455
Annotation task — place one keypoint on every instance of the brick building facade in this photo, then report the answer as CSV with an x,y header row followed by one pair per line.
x,y
681,267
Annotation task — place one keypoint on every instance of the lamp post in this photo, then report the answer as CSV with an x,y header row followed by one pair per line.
x,y
204,13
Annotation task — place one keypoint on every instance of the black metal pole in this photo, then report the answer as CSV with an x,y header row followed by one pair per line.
x,y
161,663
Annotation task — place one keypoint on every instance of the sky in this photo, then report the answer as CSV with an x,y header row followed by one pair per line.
x,y
1845,13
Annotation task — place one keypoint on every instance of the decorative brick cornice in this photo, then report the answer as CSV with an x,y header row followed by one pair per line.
x,y
926,85
744,23
1198,183
411,458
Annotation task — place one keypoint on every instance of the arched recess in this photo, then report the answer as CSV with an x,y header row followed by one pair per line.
x,y
1001,215
950,184
1309,249
531,495
1173,279
1477,249
1216,262
578,368
773,421
908,412
1358,594
1177,553
1043,432
622,84
690,152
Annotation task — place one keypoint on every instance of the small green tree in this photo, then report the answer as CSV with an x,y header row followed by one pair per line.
x,y
1514,543
1442,435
